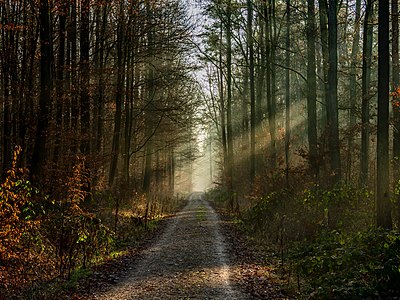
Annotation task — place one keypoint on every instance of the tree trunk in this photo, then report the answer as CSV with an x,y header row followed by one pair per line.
x,y
396,99
332,100
151,94
312,90
229,131
222,104
60,84
261,67
118,101
272,107
353,89
39,156
252,92
287,92
73,109
383,216
128,118
98,59
366,78
323,22
84,84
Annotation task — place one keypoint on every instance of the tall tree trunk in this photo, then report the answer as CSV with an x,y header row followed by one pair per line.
x,y
332,100
396,98
323,22
84,76
353,88
245,116
287,92
261,68
229,130
252,92
39,156
128,117
6,130
383,215
366,95
269,75
151,95
60,83
312,90
272,107
98,57
118,100
73,109
222,104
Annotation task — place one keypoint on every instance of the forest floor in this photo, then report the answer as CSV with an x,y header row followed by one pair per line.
x,y
194,256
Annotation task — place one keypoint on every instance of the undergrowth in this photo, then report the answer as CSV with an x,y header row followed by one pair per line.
x,y
319,257
49,241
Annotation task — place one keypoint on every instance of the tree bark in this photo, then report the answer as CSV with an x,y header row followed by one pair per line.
x,y
118,99
39,156
332,100
60,83
396,99
229,131
151,95
383,216
252,92
273,39
222,104
366,78
287,92
312,90
353,88
84,76
323,22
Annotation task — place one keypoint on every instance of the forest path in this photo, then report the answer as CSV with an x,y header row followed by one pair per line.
x,y
189,261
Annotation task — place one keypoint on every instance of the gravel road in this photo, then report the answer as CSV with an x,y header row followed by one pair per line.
x,y
189,261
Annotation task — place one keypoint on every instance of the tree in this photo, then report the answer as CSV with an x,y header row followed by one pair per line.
x,y
271,42
252,92
366,95
85,77
353,84
229,129
332,100
39,156
287,92
396,86
383,216
311,88
119,96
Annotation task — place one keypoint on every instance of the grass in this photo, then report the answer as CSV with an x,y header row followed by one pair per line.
x,y
201,213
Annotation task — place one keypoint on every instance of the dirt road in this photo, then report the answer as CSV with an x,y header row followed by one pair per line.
x,y
189,261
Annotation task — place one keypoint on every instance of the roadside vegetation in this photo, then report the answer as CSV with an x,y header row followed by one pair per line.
x,y
313,258
48,245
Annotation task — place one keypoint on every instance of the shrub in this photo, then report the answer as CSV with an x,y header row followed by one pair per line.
x,y
364,264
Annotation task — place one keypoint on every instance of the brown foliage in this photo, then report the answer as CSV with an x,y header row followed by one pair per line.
x,y
22,248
